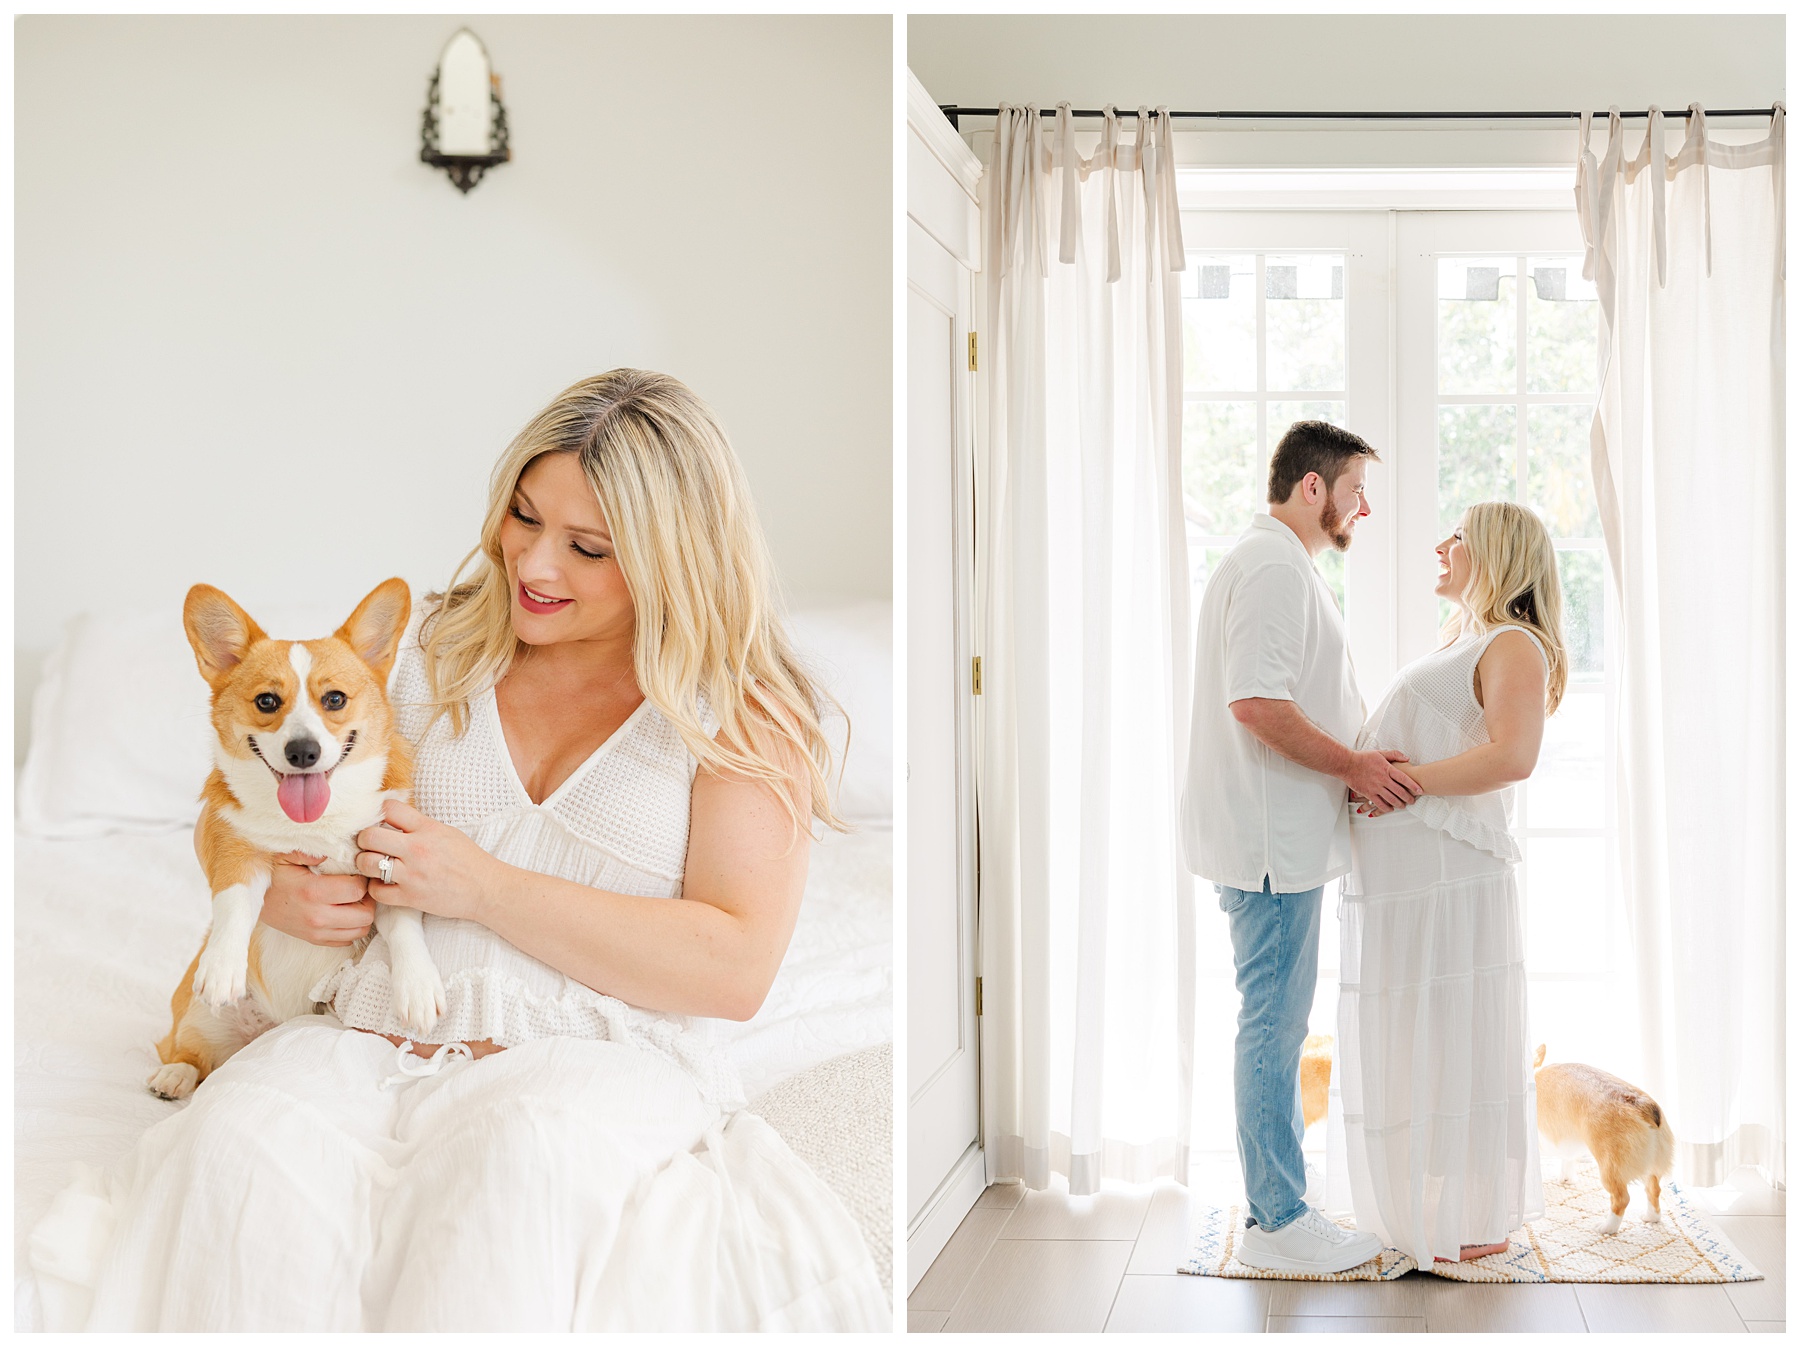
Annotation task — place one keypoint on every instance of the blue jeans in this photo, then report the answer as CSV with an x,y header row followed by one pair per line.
x,y
1275,946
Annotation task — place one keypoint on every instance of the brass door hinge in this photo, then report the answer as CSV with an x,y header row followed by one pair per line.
x,y
975,675
971,352
978,996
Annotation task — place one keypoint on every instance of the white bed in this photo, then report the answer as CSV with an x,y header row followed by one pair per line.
x,y
106,920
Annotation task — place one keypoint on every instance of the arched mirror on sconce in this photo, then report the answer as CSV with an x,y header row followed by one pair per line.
x,y
465,122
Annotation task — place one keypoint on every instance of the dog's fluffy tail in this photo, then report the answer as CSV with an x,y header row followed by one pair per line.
x,y
1662,1141
1652,1150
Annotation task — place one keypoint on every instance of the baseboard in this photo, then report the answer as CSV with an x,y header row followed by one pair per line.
x,y
943,1212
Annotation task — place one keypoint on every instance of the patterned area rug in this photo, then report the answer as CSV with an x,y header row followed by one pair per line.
x,y
1565,1246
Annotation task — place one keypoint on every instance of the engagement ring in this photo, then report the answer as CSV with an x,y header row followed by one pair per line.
x,y
386,866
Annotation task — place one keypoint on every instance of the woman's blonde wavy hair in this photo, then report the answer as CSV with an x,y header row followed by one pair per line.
x,y
1513,582
697,568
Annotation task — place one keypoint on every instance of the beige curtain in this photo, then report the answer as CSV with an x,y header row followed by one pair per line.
x,y
1686,251
1087,918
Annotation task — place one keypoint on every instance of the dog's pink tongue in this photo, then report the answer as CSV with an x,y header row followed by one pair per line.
x,y
303,796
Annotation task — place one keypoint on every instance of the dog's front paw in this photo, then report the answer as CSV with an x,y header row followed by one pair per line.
x,y
417,994
1653,1217
1610,1225
222,977
175,1080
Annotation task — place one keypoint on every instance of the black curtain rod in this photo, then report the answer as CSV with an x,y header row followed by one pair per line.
x,y
953,112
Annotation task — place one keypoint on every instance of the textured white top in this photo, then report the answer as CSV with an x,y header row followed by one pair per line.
x,y
1269,627
619,823
1430,713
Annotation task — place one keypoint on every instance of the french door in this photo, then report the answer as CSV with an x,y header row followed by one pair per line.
x,y
1462,345
1499,369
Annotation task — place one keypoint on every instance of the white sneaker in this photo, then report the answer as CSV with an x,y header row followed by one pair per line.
x,y
1310,1242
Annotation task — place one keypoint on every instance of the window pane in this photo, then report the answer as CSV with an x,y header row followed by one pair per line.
x,y
1476,450
1284,414
1559,483
1580,1021
1202,562
1331,566
1219,324
1477,325
1584,615
1567,790
1565,904
1562,328
1305,313
1221,470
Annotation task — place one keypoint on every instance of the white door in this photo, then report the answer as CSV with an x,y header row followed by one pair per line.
x,y
943,1171
1499,366
1286,316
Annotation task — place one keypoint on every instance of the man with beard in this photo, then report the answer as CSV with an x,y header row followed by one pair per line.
x,y
1265,815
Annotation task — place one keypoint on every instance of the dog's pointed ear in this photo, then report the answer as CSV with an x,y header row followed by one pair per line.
x,y
219,630
1538,1061
373,631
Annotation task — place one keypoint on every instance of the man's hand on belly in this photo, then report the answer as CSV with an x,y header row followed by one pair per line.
x,y
1284,727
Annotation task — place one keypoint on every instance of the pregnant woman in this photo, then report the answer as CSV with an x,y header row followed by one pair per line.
x,y
618,764
1434,1120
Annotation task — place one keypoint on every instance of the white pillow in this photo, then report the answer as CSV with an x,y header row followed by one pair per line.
x,y
121,739
851,650
121,729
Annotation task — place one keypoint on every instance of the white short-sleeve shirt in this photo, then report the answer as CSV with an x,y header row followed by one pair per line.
x,y
1269,627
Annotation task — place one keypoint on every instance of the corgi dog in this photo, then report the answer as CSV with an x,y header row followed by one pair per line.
x,y
1315,1077
1581,1108
306,753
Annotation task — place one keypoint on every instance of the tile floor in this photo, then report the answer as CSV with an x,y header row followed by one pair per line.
x,y
1027,1261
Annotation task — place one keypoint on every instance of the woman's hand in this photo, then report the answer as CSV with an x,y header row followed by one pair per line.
x,y
329,910
435,868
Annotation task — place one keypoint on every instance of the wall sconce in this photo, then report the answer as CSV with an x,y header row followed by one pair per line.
x,y
465,123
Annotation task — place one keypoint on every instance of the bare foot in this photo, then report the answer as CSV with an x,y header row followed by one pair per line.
x,y
480,1048
1470,1251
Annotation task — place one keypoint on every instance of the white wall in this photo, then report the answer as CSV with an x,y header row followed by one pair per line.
x,y
1354,62
258,343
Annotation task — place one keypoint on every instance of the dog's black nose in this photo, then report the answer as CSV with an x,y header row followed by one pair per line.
x,y
301,753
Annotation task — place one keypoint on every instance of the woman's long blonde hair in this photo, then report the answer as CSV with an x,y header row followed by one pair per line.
x,y
697,568
1513,582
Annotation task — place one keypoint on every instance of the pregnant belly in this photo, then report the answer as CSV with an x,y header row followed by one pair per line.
x,y
456,946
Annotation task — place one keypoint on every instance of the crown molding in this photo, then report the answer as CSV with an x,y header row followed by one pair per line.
x,y
935,132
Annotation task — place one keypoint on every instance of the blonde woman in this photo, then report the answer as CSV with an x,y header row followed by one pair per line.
x,y
1434,1115
619,761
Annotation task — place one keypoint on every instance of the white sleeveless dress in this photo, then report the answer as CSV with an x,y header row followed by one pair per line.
x,y
619,823
593,1176
1433,1118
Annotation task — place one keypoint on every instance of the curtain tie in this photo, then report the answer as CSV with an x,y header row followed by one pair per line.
x,y
1109,158
1703,154
1070,165
1587,207
1658,163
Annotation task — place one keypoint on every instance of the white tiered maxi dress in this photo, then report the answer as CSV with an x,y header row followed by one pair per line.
x,y
599,1174
1433,1117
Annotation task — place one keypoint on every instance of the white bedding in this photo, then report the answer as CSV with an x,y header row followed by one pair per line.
x,y
104,928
